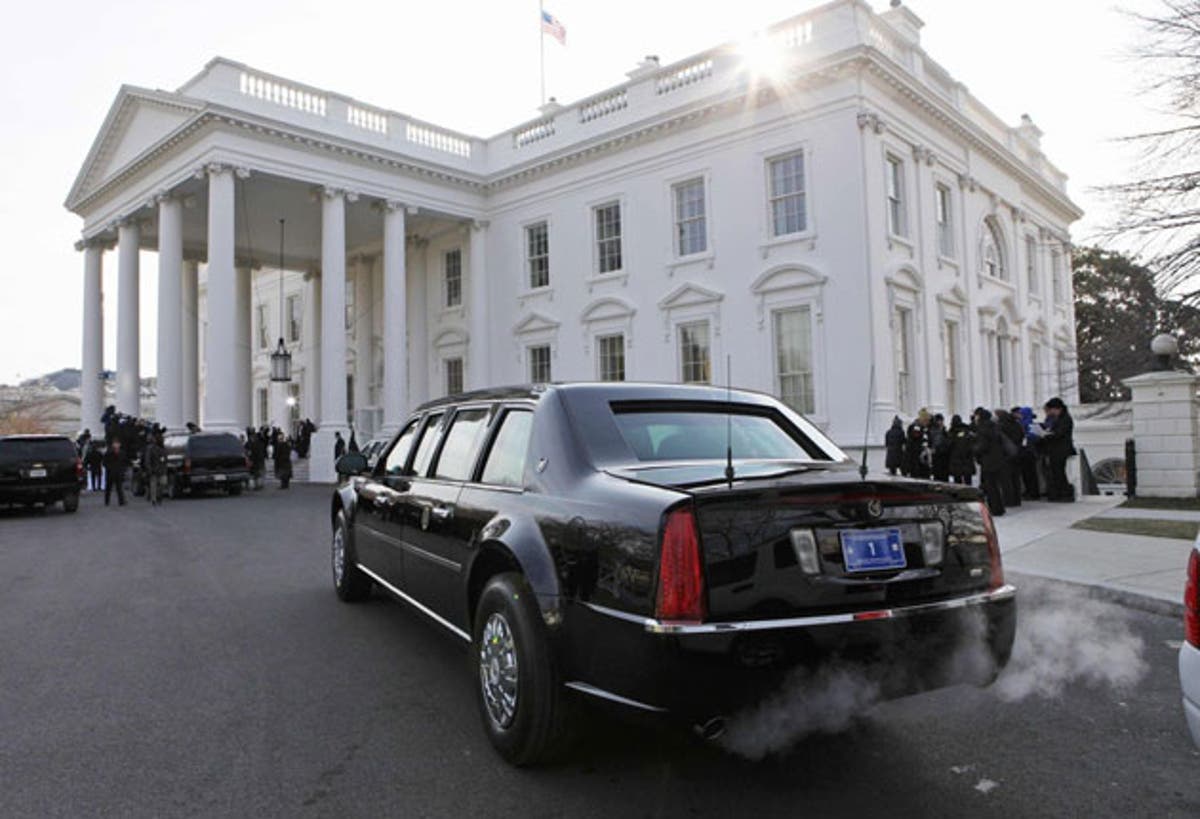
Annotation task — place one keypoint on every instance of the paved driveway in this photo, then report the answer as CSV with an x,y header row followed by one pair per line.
x,y
192,661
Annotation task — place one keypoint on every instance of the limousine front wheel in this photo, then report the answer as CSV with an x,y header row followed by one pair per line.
x,y
522,703
350,583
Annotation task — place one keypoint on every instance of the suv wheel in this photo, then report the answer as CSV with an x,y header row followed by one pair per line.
x,y
349,581
521,699
70,502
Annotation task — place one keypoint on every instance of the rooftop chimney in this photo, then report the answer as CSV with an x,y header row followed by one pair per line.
x,y
1030,132
646,66
906,24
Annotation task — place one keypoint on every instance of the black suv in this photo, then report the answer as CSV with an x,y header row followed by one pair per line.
x,y
206,460
39,469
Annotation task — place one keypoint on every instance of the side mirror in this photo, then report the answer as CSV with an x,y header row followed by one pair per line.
x,y
352,463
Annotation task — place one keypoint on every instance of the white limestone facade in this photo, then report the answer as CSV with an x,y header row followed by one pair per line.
x,y
850,229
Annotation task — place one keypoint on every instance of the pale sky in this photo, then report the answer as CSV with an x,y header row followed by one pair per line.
x,y
471,65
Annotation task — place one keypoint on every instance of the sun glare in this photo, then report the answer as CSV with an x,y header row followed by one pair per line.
x,y
762,57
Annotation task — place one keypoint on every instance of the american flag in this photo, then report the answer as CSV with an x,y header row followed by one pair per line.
x,y
552,26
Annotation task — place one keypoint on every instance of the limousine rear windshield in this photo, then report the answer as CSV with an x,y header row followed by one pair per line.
x,y
20,450
703,431
210,445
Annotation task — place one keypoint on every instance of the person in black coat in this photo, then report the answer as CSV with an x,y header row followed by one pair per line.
x,y
1058,444
339,446
283,461
893,442
989,453
962,452
115,464
939,444
1013,439
918,459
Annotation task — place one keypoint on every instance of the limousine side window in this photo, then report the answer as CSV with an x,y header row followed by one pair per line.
x,y
394,466
426,445
505,464
462,444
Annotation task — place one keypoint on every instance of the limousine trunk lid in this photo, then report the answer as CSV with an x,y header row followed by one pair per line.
x,y
816,538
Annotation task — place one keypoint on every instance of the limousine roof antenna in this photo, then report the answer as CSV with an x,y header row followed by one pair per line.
x,y
862,469
729,420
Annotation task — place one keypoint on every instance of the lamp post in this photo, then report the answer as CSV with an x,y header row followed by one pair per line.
x,y
1164,346
281,359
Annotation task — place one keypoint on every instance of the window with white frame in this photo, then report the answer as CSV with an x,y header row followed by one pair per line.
x,y
610,355
539,364
350,398
902,345
695,353
350,306
944,211
264,332
452,275
950,331
1036,374
263,411
789,206
1032,279
293,318
794,358
537,254
608,237
992,252
293,401
453,368
1056,276
691,223
1063,369
1003,363
896,206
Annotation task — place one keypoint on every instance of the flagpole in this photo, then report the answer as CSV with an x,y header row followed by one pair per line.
x,y
542,45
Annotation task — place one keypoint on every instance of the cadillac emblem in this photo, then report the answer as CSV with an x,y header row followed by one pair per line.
x,y
874,508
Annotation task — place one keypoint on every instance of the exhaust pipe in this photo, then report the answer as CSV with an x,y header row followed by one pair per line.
x,y
710,730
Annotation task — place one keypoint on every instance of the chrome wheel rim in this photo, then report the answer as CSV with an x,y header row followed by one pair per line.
x,y
498,676
339,556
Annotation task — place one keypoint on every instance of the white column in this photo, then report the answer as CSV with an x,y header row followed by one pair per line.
x,y
395,318
220,352
128,373
169,407
92,386
189,320
243,371
311,332
418,337
364,330
478,369
333,335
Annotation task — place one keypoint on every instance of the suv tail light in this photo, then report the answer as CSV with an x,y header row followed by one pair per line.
x,y
1191,600
680,573
993,542
187,465
79,468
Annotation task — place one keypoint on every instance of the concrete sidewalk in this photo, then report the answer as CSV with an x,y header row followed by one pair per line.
x,y
1146,572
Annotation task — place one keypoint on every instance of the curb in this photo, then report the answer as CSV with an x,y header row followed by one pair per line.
x,y
1111,594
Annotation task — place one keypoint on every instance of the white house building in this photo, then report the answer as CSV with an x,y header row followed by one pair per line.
x,y
825,207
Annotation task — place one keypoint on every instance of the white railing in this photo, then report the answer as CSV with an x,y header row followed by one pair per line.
x,y
790,35
438,139
279,93
683,76
367,119
603,106
888,44
534,132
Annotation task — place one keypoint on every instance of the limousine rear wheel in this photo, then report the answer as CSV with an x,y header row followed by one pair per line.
x,y
521,700
349,581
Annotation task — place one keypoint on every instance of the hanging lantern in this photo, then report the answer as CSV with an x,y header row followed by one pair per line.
x,y
281,363
281,359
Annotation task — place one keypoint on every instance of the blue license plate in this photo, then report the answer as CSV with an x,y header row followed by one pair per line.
x,y
872,550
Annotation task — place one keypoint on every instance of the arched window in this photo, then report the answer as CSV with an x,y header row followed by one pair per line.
x,y
992,252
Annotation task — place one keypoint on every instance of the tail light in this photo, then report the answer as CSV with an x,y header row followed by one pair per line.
x,y
993,542
247,460
680,573
1191,601
187,465
79,468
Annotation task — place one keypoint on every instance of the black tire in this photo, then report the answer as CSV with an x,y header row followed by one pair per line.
x,y
349,581
537,729
70,502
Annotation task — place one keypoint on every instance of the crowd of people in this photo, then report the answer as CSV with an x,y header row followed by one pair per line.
x,y
132,450
1016,455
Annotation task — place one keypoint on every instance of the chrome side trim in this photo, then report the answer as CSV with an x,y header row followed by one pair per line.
x,y
444,562
656,627
428,612
592,690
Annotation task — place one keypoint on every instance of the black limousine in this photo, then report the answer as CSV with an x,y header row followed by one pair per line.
x,y
669,548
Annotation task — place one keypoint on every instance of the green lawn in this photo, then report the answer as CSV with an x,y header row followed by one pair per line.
x,y
1179,504
1181,529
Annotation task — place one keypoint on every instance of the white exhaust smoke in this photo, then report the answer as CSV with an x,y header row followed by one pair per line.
x,y
1064,637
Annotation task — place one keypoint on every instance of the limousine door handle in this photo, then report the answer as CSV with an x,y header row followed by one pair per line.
x,y
441,513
